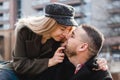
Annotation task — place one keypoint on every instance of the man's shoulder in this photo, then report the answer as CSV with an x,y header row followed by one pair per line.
x,y
85,73
101,75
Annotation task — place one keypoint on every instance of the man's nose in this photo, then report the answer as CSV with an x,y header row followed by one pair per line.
x,y
68,36
63,44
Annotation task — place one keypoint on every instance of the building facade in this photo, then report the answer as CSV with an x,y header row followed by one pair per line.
x,y
7,20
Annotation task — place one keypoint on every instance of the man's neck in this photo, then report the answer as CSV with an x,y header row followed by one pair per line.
x,y
75,60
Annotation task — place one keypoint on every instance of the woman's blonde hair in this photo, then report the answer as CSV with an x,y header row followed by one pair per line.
x,y
40,25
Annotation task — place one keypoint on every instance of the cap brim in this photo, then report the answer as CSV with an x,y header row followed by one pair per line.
x,y
67,22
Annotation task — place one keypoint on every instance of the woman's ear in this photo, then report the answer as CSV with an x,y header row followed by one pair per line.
x,y
83,47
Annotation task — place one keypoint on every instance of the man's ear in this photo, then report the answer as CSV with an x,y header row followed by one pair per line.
x,y
83,47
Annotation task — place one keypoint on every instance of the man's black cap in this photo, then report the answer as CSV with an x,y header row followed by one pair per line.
x,y
62,13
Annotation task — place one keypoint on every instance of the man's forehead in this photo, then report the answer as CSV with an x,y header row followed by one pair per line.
x,y
78,30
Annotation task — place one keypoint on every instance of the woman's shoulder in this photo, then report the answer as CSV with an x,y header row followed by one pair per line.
x,y
23,29
26,33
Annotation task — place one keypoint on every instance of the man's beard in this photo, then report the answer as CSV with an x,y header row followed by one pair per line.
x,y
69,53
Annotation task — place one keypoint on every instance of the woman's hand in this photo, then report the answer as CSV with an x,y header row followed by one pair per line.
x,y
102,64
57,58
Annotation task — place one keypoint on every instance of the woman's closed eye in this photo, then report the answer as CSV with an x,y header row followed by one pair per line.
x,y
63,29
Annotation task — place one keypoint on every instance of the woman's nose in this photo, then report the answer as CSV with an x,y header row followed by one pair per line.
x,y
64,34
67,36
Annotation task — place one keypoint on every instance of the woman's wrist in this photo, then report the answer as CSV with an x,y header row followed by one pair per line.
x,y
50,62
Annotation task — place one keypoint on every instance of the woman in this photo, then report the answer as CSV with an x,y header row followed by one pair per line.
x,y
37,39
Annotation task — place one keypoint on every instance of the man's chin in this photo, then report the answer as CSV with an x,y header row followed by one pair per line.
x,y
66,52
69,54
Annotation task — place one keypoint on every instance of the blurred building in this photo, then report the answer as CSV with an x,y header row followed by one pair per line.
x,y
7,19
104,14
113,40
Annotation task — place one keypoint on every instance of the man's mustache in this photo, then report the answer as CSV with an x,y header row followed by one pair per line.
x,y
64,45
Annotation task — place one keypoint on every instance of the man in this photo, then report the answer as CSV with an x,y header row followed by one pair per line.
x,y
81,48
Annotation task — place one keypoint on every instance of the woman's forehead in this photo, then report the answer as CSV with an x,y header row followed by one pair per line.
x,y
65,26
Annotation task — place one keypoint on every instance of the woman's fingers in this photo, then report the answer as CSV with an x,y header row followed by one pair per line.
x,y
102,64
59,50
